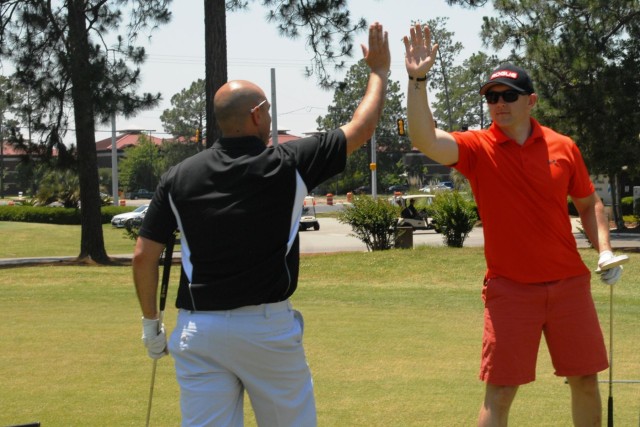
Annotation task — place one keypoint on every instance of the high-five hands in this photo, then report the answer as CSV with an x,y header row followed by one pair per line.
x,y
419,53
377,54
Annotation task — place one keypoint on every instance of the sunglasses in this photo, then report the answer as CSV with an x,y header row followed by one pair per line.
x,y
508,96
254,109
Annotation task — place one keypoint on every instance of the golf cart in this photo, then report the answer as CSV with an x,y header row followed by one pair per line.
x,y
308,218
414,211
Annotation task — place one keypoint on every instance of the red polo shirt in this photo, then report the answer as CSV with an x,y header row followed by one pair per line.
x,y
521,193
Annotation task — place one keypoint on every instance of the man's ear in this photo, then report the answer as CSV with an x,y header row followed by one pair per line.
x,y
255,117
533,99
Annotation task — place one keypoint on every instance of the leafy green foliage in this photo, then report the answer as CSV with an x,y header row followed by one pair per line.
x,y
77,68
145,163
389,145
175,152
467,108
59,186
455,217
49,215
324,21
188,112
373,221
141,167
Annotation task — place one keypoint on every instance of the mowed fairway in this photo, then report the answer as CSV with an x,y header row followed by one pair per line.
x,y
392,338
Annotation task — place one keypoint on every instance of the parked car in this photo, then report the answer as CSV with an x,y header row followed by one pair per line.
x,y
398,187
365,189
441,186
308,218
420,219
120,220
141,194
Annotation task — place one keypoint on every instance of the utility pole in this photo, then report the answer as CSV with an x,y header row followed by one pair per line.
x,y
274,110
114,161
374,166
1,157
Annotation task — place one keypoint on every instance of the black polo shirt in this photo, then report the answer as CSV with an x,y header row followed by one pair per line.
x,y
238,206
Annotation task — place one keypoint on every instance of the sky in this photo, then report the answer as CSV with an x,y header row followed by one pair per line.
x,y
176,56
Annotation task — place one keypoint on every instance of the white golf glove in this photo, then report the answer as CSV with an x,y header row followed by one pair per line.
x,y
154,338
611,276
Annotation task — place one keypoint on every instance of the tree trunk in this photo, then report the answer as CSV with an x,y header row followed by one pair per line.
x,y
614,183
215,42
92,239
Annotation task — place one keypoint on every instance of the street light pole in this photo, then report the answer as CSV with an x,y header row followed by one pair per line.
x,y
1,157
114,162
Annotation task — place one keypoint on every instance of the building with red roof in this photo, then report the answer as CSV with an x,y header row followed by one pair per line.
x,y
283,137
126,139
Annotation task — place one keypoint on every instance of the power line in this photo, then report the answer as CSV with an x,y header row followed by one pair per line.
x,y
242,62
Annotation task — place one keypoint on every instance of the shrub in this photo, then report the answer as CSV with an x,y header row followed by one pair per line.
x,y
132,228
373,221
455,217
49,215
626,206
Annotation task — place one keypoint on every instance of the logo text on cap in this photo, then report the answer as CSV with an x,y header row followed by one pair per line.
x,y
504,73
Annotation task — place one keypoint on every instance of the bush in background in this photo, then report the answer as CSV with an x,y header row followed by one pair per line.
x,y
49,215
455,217
626,206
373,221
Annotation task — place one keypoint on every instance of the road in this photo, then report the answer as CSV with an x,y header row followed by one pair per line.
x,y
336,237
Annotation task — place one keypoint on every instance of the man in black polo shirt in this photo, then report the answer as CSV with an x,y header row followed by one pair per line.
x,y
236,329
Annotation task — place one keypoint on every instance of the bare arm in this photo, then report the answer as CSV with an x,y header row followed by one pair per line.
x,y
145,275
419,58
594,221
365,119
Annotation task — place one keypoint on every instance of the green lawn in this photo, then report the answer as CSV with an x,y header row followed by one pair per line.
x,y
24,239
392,338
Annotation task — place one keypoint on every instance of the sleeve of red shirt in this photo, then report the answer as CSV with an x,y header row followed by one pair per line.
x,y
580,184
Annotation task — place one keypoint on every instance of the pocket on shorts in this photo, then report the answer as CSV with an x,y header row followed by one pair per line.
x,y
182,335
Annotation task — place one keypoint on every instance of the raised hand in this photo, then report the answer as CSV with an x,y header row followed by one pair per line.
x,y
419,54
377,55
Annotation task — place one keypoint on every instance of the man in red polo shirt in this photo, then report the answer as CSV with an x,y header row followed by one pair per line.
x,y
521,173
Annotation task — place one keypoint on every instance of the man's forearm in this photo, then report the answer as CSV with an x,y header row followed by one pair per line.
x,y
595,225
145,275
419,117
367,115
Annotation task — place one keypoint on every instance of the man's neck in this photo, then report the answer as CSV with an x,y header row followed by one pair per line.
x,y
519,133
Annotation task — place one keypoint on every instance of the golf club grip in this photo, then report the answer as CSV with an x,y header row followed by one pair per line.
x,y
610,412
166,271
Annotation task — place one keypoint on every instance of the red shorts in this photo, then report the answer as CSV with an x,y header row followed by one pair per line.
x,y
515,316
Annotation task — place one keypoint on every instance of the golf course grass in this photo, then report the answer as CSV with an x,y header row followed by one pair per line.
x,y
392,338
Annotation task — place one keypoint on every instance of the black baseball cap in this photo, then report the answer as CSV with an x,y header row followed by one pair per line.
x,y
510,75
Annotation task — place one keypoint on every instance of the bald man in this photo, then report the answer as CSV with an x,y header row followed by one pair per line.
x,y
236,329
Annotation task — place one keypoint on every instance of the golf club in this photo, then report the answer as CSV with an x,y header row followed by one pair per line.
x,y
166,272
612,263
610,399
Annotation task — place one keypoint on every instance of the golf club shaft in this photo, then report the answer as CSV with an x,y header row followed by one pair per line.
x,y
166,273
610,399
153,380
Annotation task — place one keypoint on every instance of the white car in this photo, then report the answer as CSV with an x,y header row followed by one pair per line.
x,y
120,220
441,186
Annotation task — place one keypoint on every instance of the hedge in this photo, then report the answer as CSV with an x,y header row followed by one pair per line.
x,y
49,215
